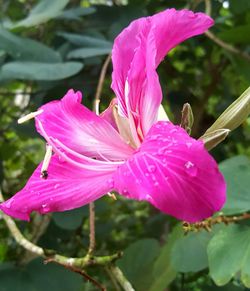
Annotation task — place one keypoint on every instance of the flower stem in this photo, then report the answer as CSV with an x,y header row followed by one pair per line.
x,y
121,279
91,228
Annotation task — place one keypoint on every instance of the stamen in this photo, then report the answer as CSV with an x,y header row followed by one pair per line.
x,y
97,102
29,116
112,195
46,161
96,165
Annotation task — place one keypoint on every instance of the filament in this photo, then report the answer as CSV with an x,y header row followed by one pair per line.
x,y
29,116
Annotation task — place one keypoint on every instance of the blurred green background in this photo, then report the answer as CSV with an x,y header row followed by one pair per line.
x,y
48,47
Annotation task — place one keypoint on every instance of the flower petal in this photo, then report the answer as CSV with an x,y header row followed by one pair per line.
x,y
175,173
66,187
137,52
80,129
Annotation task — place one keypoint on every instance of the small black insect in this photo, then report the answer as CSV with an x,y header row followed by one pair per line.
x,y
44,174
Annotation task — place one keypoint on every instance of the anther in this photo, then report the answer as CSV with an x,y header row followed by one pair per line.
x,y
112,195
29,116
46,161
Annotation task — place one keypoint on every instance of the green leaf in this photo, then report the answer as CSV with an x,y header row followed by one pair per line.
x,y
26,49
229,253
234,115
236,171
189,254
38,277
42,12
88,52
238,34
137,262
70,220
88,41
163,269
39,71
213,138
76,13
239,7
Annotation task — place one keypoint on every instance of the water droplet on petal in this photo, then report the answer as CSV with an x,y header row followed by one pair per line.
x,y
9,203
110,182
151,168
148,197
45,208
188,144
191,169
56,186
61,159
173,130
156,183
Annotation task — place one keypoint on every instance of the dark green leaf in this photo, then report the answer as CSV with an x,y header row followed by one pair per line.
x,y
42,12
70,220
236,171
229,253
88,41
83,53
137,262
189,254
39,71
38,277
238,34
26,49
76,13
163,269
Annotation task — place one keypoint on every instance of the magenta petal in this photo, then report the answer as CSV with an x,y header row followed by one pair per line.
x,y
137,52
175,173
66,187
81,130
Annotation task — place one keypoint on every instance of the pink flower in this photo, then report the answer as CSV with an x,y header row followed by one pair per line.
x,y
126,148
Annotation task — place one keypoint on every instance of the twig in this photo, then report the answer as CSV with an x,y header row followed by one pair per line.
x,y
121,279
39,227
78,271
226,46
100,84
50,255
96,103
113,279
208,223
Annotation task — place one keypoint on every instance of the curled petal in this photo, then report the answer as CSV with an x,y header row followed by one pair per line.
x,y
175,173
81,130
66,187
137,52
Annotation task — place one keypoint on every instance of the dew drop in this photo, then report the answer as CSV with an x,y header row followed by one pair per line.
x,y
110,182
190,169
148,197
151,168
45,208
9,203
173,130
188,144
156,183
56,186
61,159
